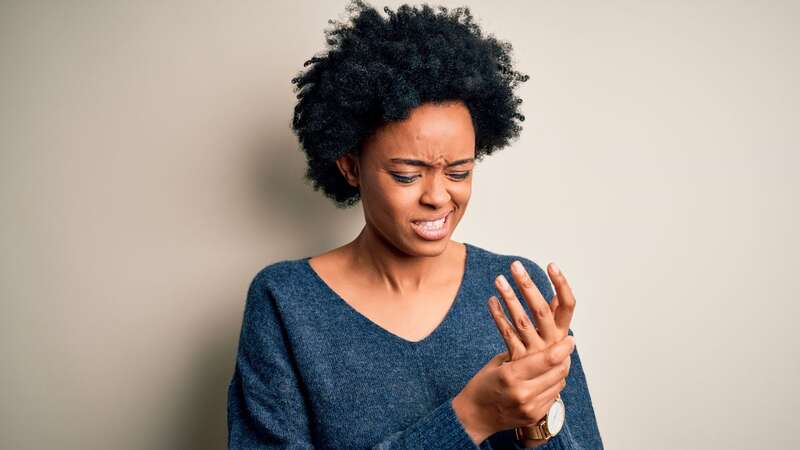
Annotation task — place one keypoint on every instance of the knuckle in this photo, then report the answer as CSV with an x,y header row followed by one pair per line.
x,y
518,399
553,358
523,322
564,371
505,377
542,310
527,283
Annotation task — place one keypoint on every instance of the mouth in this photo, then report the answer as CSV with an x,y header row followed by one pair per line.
x,y
433,220
433,229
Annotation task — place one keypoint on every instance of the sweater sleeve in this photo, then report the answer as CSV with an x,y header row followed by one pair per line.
x,y
267,407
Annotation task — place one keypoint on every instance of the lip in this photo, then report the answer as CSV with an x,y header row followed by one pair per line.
x,y
434,235
434,218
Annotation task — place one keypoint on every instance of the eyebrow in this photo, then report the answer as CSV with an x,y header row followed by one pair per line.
x,y
417,162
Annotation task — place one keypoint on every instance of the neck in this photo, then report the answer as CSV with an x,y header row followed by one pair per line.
x,y
383,263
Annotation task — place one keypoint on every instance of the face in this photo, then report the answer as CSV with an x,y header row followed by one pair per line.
x,y
413,173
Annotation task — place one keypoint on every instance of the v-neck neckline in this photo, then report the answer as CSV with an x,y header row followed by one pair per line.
x,y
383,331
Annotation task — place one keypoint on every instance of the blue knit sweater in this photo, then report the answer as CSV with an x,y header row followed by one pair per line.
x,y
312,372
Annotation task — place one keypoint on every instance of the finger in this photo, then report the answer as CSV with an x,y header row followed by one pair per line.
x,y
554,308
566,300
500,359
525,329
554,305
537,304
516,348
534,364
527,333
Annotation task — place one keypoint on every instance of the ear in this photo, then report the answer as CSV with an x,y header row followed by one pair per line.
x,y
348,166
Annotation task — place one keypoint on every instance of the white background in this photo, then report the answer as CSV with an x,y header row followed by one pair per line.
x,y
148,171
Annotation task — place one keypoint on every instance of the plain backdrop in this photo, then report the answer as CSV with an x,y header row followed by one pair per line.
x,y
148,171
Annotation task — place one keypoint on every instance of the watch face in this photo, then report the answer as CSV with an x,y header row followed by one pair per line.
x,y
555,417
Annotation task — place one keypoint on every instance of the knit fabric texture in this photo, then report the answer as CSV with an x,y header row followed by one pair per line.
x,y
311,372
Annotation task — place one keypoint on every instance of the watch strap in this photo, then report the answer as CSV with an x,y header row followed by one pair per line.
x,y
537,431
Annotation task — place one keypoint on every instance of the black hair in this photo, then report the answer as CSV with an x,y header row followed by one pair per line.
x,y
377,69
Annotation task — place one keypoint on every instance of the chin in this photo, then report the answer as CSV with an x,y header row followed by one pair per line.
x,y
430,248
424,247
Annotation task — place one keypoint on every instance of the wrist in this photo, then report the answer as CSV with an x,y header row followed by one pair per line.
x,y
470,418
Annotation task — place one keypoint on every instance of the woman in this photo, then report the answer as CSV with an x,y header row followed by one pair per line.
x,y
385,342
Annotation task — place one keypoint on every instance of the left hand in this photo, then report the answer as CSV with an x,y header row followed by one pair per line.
x,y
552,320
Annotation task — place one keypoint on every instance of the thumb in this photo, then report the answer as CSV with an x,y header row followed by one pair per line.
x,y
499,359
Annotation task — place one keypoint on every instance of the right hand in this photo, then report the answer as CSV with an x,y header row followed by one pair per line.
x,y
505,394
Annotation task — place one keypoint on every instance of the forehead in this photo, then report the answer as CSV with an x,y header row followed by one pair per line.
x,y
436,133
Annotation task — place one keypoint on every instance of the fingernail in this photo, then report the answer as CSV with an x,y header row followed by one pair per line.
x,y
556,270
503,282
517,266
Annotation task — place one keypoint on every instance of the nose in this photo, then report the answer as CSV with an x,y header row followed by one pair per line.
x,y
434,191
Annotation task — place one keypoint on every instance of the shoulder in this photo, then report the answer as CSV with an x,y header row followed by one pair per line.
x,y
500,263
277,278
278,295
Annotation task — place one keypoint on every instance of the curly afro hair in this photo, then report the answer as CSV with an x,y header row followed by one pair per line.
x,y
377,69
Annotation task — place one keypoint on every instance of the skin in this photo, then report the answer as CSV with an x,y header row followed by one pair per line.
x,y
522,338
416,280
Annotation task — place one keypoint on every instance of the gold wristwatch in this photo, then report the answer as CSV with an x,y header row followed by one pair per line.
x,y
546,428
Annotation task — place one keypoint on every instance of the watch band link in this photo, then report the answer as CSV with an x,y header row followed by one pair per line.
x,y
537,431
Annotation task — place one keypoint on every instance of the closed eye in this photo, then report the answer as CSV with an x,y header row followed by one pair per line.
x,y
402,179
408,180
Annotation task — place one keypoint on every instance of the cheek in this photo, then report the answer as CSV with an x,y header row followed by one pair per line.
x,y
393,203
401,203
462,192
461,197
